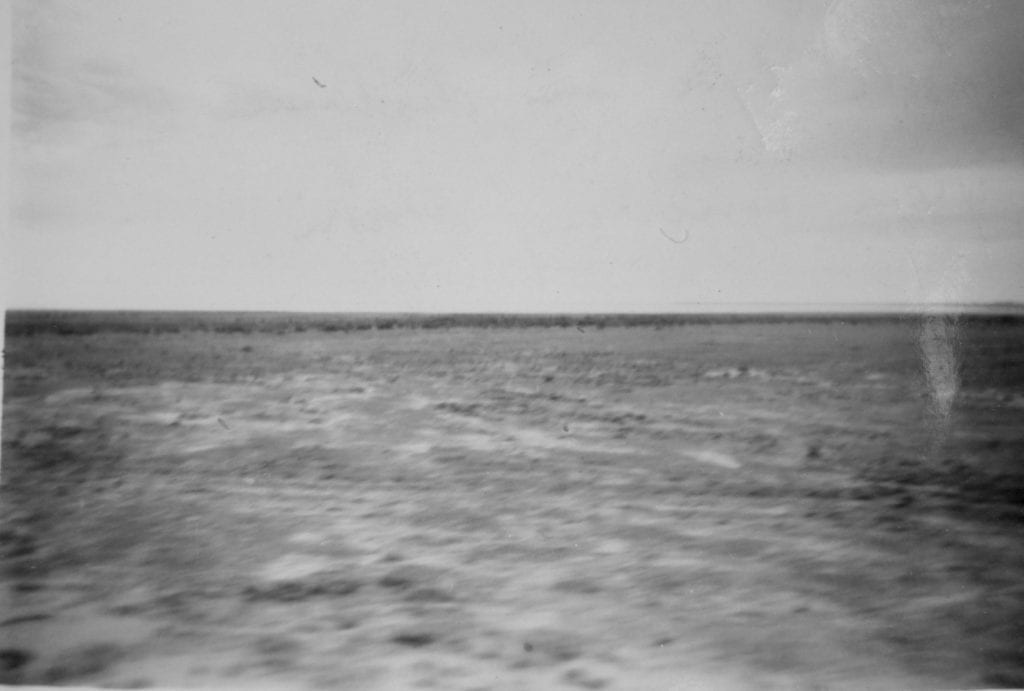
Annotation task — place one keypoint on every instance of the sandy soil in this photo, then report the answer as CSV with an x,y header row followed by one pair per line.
x,y
739,506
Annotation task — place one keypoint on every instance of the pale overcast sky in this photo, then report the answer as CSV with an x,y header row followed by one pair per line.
x,y
481,155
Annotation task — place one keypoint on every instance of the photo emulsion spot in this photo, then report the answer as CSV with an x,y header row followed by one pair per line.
x,y
502,346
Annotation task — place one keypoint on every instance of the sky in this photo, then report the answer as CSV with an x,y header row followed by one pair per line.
x,y
513,156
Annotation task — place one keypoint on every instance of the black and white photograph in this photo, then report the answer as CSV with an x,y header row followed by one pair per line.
x,y
513,345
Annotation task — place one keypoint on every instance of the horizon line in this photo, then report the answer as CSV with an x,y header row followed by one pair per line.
x,y
679,308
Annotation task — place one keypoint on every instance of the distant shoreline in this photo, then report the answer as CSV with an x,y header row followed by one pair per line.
x,y
680,309
84,322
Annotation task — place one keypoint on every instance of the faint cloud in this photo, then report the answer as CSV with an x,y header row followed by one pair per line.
x,y
902,83
57,90
90,93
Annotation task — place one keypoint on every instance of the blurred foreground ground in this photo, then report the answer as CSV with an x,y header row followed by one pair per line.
x,y
787,505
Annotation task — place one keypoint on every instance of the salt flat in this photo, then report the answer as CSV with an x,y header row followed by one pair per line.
x,y
513,508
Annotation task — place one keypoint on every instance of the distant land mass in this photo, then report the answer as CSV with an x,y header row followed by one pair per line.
x,y
1004,307
80,322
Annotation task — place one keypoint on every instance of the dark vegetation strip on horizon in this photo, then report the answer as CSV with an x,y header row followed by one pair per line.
x,y
73,323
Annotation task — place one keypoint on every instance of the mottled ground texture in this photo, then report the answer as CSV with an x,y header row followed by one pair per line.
x,y
806,505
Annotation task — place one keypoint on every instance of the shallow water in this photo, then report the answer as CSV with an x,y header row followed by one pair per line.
x,y
512,509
